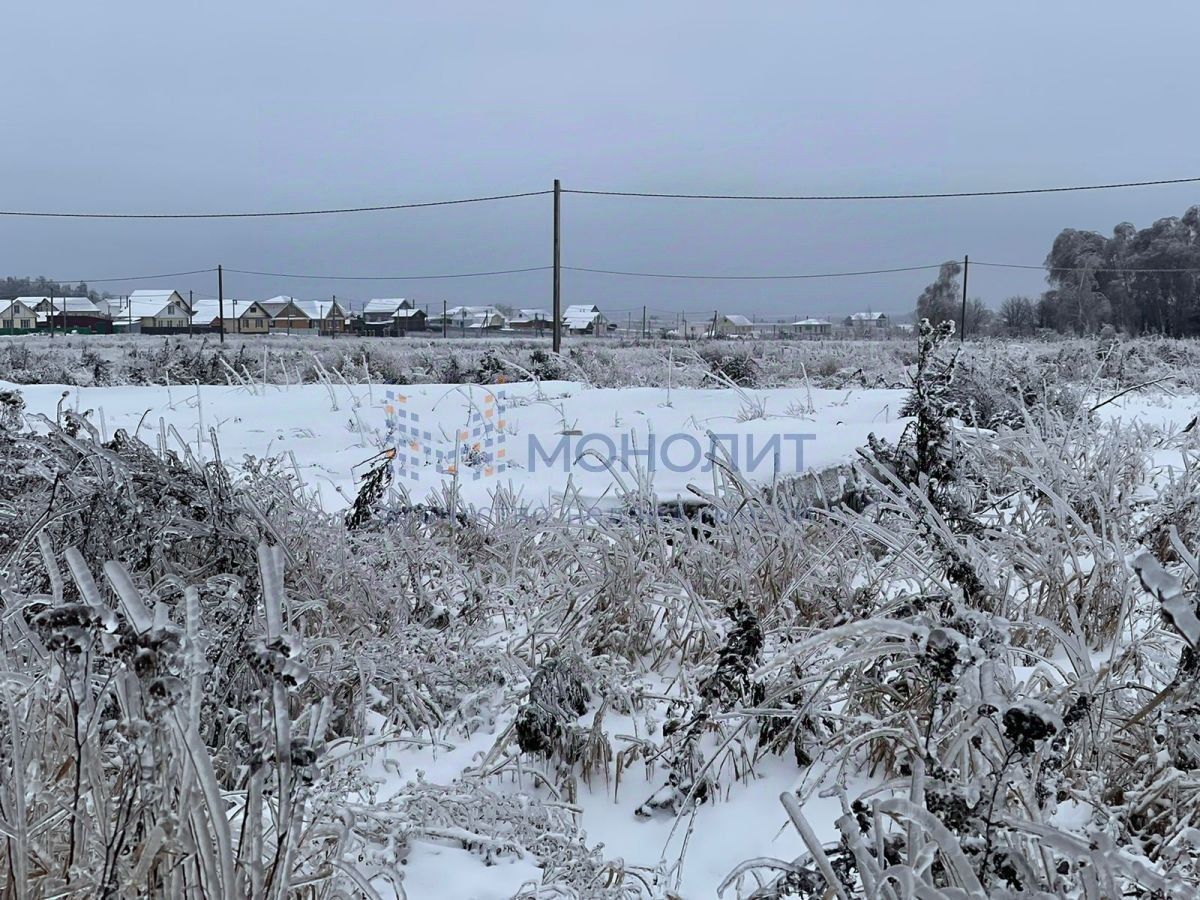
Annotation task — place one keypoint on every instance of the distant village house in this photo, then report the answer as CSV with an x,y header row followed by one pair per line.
x,y
733,325
584,319
241,316
69,314
867,323
812,328
16,317
150,312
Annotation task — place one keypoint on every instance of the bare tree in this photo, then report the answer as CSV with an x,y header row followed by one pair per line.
x,y
1018,316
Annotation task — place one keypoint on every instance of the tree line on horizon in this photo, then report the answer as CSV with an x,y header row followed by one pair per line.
x,y
1137,281
44,287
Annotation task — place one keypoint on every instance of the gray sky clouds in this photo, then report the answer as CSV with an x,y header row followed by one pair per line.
x,y
148,106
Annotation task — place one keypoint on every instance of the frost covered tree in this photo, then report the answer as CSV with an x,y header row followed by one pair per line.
x,y
1142,281
939,302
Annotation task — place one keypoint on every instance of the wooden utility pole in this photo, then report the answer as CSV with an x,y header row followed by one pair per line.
x,y
557,311
190,313
221,300
443,318
52,314
643,323
713,331
962,332
333,321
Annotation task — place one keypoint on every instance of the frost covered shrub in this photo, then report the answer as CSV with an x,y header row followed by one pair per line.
x,y
545,366
1001,389
738,368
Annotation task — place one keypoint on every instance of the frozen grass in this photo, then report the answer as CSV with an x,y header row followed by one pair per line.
x,y
608,362
955,662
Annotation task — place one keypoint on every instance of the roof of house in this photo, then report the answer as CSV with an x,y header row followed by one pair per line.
x,y
813,322
736,319
209,309
147,306
6,305
407,312
387,305
77,305
318,309
581,315
474,316
162,296
205,311
866,316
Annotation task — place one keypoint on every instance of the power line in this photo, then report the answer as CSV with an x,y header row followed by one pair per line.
x,y
272,214
1133,269
628,274
135,277
752,277
392,277
653,194
931,196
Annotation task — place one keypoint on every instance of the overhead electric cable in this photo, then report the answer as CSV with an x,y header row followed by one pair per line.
x,y
269,214
939,195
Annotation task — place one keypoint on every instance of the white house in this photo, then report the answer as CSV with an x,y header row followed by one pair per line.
x,y
150,310
473,319
867,322
733,325
16,316
584,319
812,328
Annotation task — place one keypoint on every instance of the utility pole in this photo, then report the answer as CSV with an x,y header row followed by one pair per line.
x,y
443,318
643,323
52,314
190,308
333,321
713,331
962,332
557,267
221,299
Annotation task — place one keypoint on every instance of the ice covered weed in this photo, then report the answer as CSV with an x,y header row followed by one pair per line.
x,y
953,644
1020,709
186,674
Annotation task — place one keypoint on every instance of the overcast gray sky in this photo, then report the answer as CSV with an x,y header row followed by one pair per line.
x,y
152,106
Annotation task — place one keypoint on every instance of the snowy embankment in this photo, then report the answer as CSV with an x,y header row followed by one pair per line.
x,y
557,436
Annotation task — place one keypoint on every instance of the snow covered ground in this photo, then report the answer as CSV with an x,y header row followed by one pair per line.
x,y
329,432
548,430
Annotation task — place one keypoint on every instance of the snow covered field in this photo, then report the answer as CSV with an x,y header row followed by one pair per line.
x,y
953,672
331,431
